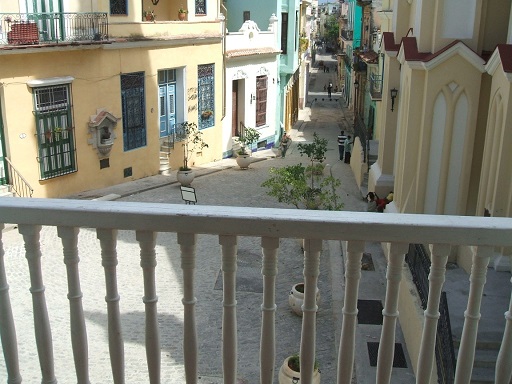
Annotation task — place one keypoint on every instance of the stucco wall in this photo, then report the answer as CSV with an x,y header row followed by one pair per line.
x,y
96,84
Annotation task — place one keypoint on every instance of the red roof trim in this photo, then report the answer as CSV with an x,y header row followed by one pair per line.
x,y
505,52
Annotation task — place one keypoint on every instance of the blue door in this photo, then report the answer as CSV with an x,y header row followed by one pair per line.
x,y
167,108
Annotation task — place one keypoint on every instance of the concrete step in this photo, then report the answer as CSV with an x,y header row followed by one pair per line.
x,y
486,354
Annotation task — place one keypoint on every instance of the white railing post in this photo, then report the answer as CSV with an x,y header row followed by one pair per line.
x,y
108,241
147,242
436,279
270,246
7,328
386,352
472,315
348,327
41,321
504,362
187,242
312,250
229,327
69,237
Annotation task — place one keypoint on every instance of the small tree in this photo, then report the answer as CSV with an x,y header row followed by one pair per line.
x,y
192,140
247,139
305,187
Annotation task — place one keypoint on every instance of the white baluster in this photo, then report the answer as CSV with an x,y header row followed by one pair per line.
x,y
386,352
41,321
229,327
436,279
504,362
312,249
7,329
147,241
69,237
108,240
472,315
270,246
187,242
348,327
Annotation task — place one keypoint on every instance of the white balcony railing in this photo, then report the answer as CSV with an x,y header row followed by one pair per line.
x,y
146,220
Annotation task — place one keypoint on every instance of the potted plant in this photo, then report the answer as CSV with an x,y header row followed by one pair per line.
x,y
305,187
149,15
248,137
182,13
206,114
192,141
290,371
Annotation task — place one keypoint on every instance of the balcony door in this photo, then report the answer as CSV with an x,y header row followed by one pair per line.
x,y
49,26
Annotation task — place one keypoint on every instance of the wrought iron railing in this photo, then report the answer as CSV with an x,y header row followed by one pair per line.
x,y
376,86
419,265
36,28
347,34
19,184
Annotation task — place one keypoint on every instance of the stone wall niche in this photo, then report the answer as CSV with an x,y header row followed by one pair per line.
x,y
101,127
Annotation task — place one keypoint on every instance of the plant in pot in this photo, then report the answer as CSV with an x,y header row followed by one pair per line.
x,y
290,371
192,141
182,13
304,186
246,140
149,15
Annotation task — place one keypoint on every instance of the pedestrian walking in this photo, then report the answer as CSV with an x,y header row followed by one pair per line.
x,y
341,143
329,90
284,143
348,149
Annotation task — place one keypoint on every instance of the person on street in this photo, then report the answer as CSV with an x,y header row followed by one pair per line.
x,y
348,149
341,144
329,90
284,143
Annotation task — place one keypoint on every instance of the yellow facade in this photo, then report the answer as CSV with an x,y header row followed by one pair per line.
x,y
95,70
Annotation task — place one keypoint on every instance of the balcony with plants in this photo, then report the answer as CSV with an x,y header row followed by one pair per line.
x,y
44,28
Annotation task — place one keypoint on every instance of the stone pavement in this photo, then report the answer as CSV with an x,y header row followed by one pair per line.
x,y
219,183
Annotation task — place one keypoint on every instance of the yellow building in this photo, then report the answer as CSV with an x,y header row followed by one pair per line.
x,y
92,92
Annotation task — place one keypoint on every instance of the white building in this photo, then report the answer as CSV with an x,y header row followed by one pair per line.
x,y
251,83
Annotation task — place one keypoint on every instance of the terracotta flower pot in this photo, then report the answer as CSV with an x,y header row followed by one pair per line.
x,y
182,16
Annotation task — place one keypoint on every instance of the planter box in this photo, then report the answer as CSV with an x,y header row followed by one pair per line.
x,y
23,33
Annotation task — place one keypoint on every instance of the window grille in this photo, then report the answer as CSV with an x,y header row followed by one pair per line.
x,y
206,95
261,100
134,116
118,7
284,32
200,7
54,131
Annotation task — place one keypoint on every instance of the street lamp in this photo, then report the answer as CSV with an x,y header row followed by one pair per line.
x,y
394,93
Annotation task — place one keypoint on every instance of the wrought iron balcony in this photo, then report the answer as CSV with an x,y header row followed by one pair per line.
x,y
375,86
347,34
42,28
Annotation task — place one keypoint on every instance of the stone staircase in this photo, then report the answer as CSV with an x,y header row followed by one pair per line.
x,y
486,354
165,149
